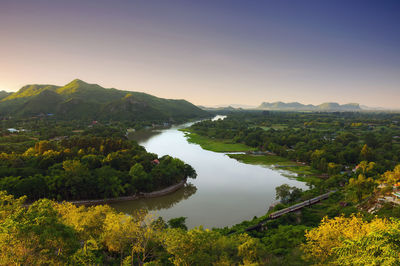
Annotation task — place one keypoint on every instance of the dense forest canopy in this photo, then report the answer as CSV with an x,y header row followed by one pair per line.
x,y
354,154
50,233
88,167
330,142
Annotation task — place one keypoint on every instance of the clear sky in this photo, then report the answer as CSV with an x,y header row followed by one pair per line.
x,y
209,51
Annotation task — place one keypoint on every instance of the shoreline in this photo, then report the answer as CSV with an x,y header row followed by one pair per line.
x,y
140,195
249,155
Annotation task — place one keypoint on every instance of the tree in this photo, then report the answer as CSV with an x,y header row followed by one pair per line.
x,y
178,223
146,237
139,178
108,182
334,168
287,194
119,232
389,179
281,240
205,247
42,146
366,168
352,241
366,153
359,188
76,178
35,236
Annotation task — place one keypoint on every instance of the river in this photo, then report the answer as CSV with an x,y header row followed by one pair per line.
x,y
225,191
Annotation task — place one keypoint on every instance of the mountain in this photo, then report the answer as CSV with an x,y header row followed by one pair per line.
x,y
295,106
237,105
81,100
4,94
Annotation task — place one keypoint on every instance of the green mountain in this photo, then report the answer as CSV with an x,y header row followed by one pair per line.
x,y
295,106
80,100
4,94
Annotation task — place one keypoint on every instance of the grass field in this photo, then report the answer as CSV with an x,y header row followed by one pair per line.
x,y
303,172
276,161
214,144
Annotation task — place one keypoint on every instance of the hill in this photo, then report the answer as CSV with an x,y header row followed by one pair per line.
x,y
4,94
295,106
81,100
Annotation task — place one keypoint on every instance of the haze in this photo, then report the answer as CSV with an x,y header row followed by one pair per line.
x,y
209,52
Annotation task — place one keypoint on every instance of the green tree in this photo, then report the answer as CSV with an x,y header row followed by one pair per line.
x,y
35,236
178,222
286,193
139,178
359,188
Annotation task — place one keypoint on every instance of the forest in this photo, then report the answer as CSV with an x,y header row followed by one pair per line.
x,y
329,142
354,154
88,167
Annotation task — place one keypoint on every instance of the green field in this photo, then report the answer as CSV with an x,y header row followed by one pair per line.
x,y
277,162
214,144
261,159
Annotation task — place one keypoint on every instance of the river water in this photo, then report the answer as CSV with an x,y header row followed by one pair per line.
x,y
225,191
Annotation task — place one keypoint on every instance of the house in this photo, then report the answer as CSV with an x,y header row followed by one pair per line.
x,y
59,138
13,130
356,168
396,195
156,161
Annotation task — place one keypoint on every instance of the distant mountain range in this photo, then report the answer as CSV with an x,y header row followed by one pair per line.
x,y
295,106
81,100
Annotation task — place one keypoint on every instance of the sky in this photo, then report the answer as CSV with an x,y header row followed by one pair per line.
x,y
210,52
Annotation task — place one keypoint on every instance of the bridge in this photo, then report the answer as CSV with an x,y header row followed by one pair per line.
x,y
292,208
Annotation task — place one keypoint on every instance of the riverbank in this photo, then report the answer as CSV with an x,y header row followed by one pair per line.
x,y
154,194
215,145
276,162
301,170
214,202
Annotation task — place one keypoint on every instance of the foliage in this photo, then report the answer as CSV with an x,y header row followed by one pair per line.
x,y
287,194
51,233
34,236
178,222
205,247
88,167
353,241
326,141
359,188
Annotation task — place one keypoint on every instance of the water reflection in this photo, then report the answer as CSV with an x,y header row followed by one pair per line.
x,y
159,203
143,135
227,191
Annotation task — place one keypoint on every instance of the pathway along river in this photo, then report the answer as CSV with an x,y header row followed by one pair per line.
x,y
224,193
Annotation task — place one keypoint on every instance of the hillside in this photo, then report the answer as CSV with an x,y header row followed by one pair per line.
x,y
81,100
4,94
295,106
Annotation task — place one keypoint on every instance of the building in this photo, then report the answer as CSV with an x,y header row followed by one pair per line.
x,y
13,130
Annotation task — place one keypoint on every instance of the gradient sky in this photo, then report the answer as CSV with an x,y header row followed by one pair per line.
x,y
208,51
